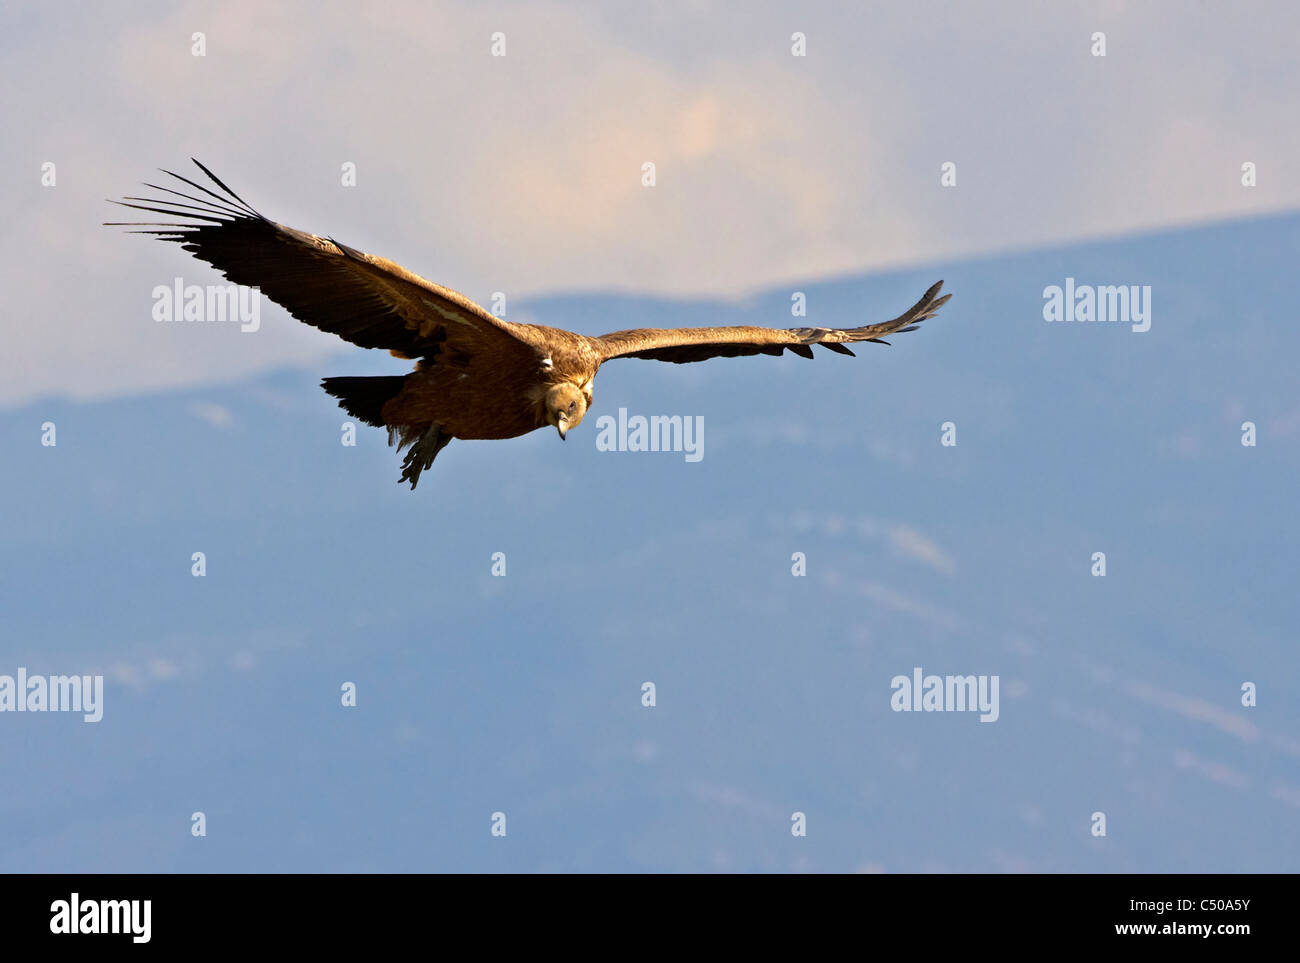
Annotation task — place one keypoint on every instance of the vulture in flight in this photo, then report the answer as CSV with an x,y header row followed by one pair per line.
x,y
476,375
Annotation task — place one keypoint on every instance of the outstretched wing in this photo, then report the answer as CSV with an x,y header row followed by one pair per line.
x,y
682,345
368,300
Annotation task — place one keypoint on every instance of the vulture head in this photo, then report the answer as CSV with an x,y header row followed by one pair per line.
x,y
565,406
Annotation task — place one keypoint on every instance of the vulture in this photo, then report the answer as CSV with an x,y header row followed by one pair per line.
x,y
476,375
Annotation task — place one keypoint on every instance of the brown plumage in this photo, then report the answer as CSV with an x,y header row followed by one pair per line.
x,y
476,375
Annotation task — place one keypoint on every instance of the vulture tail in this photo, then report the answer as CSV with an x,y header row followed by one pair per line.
x,y
364,398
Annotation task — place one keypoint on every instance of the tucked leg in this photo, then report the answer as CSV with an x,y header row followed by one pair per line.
x,y
422,453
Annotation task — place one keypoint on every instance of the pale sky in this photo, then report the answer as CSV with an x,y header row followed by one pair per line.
x,y
523,173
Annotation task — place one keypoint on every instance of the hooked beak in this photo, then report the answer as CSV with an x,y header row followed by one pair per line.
x,y
562,427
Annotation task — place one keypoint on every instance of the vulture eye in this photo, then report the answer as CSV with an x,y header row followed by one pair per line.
x,y
573,406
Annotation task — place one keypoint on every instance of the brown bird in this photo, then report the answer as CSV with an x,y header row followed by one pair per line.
x,y
476,375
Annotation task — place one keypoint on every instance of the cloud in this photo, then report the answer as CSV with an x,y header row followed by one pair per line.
x,y
912,544
1196,709
138,675
1213,771
1287,794
218,416
522,174
893,599
735,800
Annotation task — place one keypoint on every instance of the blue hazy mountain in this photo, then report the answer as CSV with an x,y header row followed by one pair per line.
x,y
522,694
